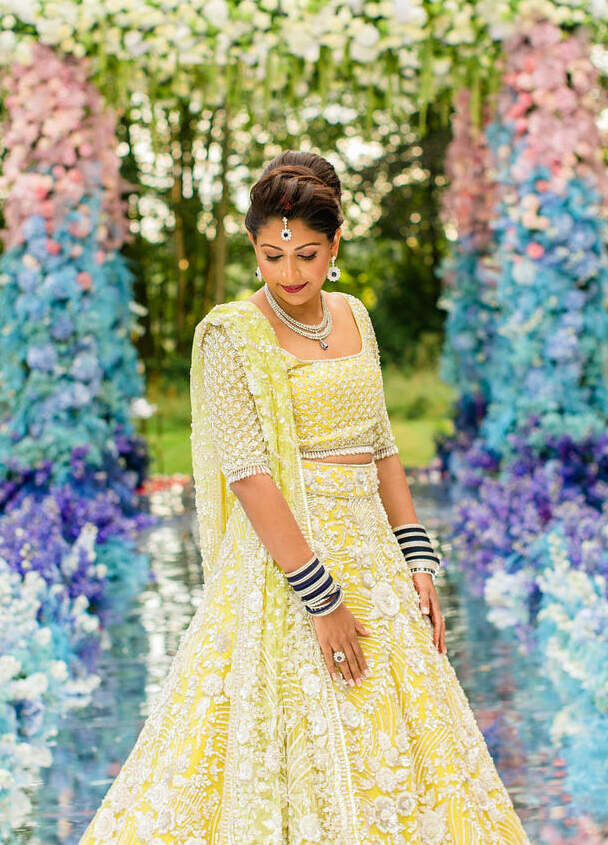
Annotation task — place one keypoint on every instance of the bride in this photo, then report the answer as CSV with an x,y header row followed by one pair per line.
x,y
311,698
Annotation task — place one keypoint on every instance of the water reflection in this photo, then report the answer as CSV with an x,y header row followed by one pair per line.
x,y
512,700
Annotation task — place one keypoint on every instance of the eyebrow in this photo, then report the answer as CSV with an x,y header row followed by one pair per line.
x,y
316,243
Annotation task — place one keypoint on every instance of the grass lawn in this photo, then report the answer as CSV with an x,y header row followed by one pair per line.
x,y
418,405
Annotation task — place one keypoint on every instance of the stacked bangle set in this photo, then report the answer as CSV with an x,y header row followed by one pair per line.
x,y
417,548
314,584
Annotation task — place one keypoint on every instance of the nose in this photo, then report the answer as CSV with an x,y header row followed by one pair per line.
x,y
289,271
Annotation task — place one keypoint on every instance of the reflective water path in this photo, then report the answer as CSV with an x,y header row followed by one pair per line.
x,y
512,700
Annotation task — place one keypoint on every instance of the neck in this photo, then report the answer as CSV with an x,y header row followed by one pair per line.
x,y
310,311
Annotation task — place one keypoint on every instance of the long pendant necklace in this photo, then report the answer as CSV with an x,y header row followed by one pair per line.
x,y
316,332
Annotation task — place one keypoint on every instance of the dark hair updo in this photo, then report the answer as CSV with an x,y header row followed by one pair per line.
x,y
297,184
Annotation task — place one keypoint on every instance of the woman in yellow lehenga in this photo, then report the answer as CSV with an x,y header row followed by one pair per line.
x,y
311,698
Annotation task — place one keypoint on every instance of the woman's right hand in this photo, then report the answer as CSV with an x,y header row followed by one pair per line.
x,y
338,631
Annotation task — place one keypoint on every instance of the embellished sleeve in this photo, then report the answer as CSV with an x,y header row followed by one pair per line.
x,y
384,439
235,425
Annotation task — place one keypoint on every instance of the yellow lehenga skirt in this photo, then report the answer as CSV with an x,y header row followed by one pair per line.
x,y
420,770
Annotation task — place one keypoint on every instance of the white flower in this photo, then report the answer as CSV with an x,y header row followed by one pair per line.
x,y
310,828
350,715
31,687
406,803
385,814
43,636
212,683
385,598
217,13
9,666
402,740
311,683
104,824
318,723
391,755
272,757
140,408
367,579
385,779
59,670
6,779
481,796
432,827
166,820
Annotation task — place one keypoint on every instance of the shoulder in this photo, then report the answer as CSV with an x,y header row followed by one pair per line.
x,y
344,299
358,308
227,320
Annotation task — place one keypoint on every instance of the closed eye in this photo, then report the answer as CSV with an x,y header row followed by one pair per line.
x,y
305,257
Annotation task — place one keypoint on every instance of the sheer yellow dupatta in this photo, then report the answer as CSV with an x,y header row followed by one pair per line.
x,y
287,774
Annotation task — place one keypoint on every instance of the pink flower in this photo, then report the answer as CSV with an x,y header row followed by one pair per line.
x,y
84,280
100,256
535,250
53,247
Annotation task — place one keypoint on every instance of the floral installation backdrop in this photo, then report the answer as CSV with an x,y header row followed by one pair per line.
x,y
398,54
530,462
469,269
70,463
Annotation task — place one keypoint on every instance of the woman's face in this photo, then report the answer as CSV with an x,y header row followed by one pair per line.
x,y
304,260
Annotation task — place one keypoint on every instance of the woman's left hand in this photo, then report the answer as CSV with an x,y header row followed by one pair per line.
x,y
429,604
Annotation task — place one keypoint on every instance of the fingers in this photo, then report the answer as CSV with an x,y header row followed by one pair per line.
x,y
429,605
438,625
328,656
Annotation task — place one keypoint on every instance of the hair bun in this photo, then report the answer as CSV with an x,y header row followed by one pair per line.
x,y
303,184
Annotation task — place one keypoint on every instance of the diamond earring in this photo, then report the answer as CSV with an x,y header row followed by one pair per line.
x,y
333,274
258,273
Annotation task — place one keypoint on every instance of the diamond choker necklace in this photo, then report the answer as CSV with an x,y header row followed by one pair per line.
x,y
316,332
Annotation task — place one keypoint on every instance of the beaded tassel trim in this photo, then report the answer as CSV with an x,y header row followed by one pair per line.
x,y
386,451
323,453
242,472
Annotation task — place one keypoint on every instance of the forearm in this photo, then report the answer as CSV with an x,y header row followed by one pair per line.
x,y
395,492
273,520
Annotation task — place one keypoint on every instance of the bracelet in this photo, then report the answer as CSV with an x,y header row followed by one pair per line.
x,y
334,602
314,585
417,548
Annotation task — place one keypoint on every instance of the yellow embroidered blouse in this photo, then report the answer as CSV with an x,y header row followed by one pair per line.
x,y
338,403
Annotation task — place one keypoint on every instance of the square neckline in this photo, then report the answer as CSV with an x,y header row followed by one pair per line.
x,y
319,360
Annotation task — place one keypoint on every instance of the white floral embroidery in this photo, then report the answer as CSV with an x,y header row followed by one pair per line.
x,y
310,828
385,598
350,715
385,779
105,824
406,803
272,757
432,827
311,683
385,814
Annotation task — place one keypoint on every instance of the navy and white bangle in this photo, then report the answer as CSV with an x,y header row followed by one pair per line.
x,y
316,587
417,548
